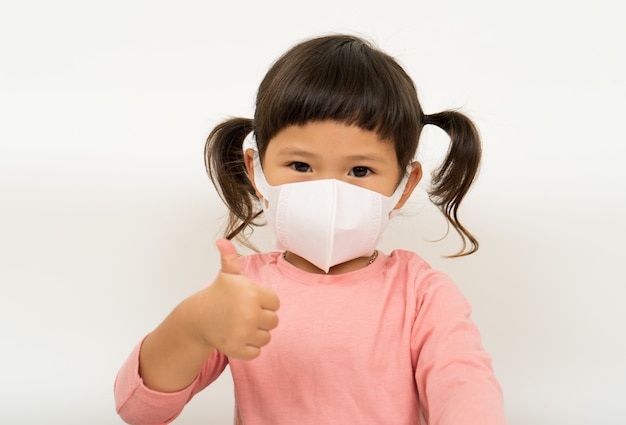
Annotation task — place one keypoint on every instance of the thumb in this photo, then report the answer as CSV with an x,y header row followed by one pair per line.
x,y
229,256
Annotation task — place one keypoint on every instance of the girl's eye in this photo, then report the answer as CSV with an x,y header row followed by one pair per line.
x,y
300,167
360,172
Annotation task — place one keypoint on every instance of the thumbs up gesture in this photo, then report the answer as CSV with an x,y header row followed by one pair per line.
x,y
239,313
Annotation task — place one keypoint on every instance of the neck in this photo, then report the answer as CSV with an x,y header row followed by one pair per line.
x,y
348,266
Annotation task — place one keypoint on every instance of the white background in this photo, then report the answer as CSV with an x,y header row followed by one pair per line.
x,y
108,219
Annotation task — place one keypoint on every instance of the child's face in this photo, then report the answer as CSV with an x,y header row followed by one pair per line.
x,y
331,150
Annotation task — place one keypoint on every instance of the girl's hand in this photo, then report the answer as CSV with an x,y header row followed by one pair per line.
x,y
233,314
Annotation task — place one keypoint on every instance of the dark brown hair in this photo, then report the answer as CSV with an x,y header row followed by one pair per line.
x,y
345,79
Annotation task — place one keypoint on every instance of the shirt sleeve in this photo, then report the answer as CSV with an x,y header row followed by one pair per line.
x,y
453,373
139,405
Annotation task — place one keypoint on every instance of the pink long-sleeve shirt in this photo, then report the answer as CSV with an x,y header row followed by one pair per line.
x,y
381,345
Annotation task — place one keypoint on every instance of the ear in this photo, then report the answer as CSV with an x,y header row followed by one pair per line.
x,y
248,158
414,178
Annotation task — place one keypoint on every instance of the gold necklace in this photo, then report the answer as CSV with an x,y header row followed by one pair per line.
x,y
374,256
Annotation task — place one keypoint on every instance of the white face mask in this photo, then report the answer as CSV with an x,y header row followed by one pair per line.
x,y
326,222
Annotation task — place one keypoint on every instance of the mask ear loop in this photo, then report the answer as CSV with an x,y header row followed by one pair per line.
x,y
250,143
397,194
259,177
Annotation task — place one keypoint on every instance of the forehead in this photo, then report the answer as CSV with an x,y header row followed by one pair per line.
x,y
329,138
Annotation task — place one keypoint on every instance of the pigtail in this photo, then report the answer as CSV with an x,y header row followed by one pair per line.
x,y
224,162
453,179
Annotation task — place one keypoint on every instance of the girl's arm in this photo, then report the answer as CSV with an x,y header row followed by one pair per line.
x,y
138,404
454,375
230,318
173,354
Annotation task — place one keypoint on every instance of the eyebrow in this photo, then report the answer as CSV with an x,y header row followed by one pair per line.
x,y
295,151
355,157
366,157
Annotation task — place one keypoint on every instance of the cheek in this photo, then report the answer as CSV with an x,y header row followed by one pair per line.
x,y
389,184
277,175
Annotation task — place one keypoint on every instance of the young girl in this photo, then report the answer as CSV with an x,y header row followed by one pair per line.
x,y
364,337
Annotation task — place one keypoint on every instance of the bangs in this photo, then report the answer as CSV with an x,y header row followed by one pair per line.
x,y
341,79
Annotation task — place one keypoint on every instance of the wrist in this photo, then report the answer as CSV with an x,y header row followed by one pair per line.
x,y
192,314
